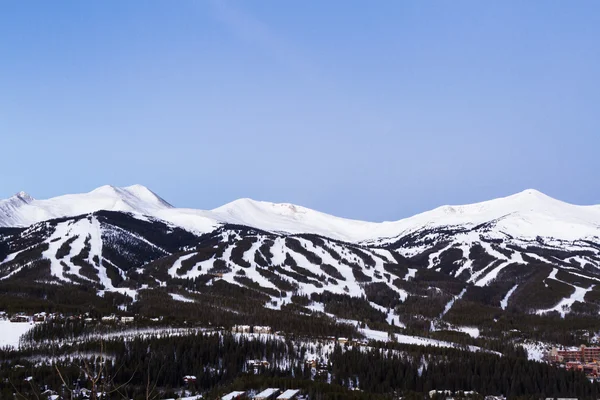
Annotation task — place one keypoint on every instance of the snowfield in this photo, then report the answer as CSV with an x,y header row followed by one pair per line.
x,y
527,214
11,332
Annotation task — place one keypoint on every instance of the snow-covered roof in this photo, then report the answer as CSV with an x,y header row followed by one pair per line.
x,y
232,395
288,394
267,393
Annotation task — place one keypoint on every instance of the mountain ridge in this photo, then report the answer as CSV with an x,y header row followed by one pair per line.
x,y
527,213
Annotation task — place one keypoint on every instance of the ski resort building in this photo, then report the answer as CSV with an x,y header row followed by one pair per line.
x,y
583,354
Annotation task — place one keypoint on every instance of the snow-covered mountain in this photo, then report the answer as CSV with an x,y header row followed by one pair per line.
x,y
526,250
23,210
528,214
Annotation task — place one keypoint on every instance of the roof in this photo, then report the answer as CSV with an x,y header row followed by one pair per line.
x,y
267,392
288,394
232,395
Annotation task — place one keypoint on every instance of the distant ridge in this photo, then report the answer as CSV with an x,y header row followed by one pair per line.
x,y
529,213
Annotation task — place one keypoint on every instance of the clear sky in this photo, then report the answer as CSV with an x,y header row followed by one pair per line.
x,y
369,110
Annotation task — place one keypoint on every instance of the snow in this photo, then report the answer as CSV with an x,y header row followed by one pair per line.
x,y
232,395
267,393
469,330
527,214
415,340
23,210
288,394
10,332
178,297
197,397
565,304
504,302
412,272
451,303
536,351
177,264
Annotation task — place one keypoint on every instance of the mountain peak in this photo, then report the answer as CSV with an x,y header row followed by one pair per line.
x,y
533,193
23,196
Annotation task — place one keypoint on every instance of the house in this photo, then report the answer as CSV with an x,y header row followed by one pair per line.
x,y
258,363
109,318
127,320
433,393
234,396
267,394
39,317
240,329
189,379
342,340
262,329
20,318
289,394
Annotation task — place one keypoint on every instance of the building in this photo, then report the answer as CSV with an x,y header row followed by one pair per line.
x,y
189,379
289,394
240,329
582,354
234,396
262,329
39,317
126,320
267,394
20,318
589,369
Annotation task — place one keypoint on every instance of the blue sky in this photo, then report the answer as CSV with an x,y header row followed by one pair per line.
x,y
366,110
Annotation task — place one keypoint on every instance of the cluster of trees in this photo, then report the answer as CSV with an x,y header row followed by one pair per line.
x,y
219,363
426,369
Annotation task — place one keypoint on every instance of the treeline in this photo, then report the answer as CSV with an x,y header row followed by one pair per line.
x,y
219,362
383,372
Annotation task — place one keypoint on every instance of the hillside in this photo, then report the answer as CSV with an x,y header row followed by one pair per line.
x,y
492,284
526,252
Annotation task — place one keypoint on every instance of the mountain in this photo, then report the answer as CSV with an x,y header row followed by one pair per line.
x,y
528,214
23,210
525,254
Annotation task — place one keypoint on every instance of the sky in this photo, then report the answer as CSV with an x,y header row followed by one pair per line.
x,y
373,111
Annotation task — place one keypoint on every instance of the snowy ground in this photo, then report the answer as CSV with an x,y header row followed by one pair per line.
x,y
11,332
178,297
536,350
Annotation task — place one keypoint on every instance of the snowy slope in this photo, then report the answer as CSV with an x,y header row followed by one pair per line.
x,y
22,210
527,215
